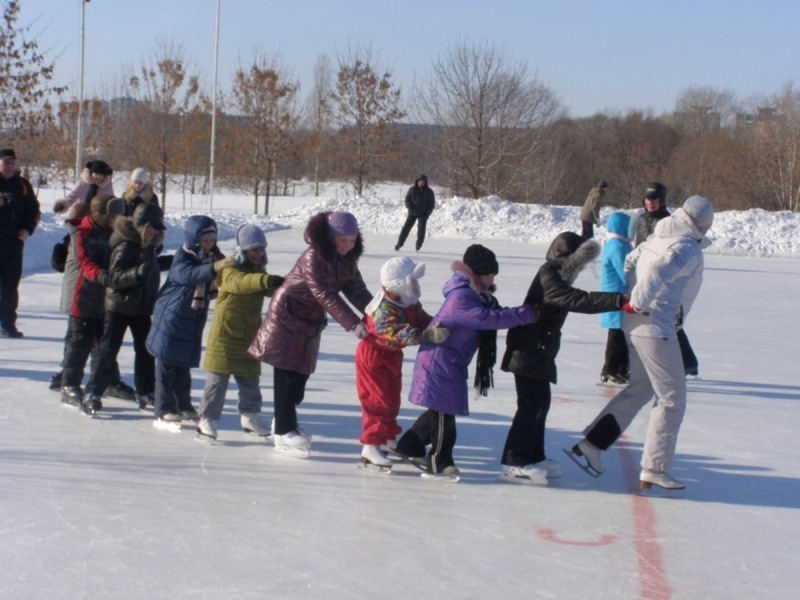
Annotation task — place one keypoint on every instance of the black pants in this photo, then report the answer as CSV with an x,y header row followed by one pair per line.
x,y
10,275
289,390
421,224
435,429
173,388
113,380
525,441
83,339
616,354
587,230
690,363
144,366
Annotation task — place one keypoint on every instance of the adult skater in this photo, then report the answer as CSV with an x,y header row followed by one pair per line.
x,y
664,274
420,202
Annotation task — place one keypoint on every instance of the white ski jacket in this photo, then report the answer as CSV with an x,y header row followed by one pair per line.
x,y
663,274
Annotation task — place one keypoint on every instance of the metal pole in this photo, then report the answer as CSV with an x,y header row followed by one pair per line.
x,y
214,116
79,146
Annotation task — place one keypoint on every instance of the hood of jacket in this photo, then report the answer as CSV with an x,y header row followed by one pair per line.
x,y
194,225
569,253
680,224
464,277
316,235
620,223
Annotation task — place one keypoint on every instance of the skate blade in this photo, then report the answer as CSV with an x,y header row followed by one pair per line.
x,y
584,466
291,452
205,439
395,455
170,426
365,465
610,384
523,480
651,490
441,477
252,433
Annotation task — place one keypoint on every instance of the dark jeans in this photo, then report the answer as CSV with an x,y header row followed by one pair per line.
x,y
289,389
435,429
525,441
144,366
587,230
83,338
616,354
173,388
421,224
10,275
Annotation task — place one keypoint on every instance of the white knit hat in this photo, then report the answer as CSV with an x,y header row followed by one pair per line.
x,y
700,210
396,272
140,174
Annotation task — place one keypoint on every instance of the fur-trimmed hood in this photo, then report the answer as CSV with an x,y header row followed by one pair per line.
x,y
126,231
86,177
569,253
470,279
316,235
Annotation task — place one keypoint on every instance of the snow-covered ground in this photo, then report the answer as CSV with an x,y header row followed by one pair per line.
x,y
112,508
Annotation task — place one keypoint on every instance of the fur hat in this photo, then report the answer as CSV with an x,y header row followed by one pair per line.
x,y
116,207
99,167
481,260
342,224
148,213
140,174
700,210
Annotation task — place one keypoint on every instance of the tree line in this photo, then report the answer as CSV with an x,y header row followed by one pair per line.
x,y
480,124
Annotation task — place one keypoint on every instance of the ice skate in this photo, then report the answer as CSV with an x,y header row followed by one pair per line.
x,y
121,391
146,401
55,381
190,414
168,422
449,474
663,485
206,430
373,459
255,425
91,405
292,444
530,475
609,380
553,468
72,395
591,462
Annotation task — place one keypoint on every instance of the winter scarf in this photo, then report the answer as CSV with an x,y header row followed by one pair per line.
x,y
204,292
487,352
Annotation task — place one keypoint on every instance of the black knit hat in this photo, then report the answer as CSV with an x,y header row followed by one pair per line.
x,y
481,260
7,153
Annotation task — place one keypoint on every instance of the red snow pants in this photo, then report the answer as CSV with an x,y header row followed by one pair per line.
x,y
379,379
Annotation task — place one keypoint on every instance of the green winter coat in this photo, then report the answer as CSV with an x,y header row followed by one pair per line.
x,y
237,316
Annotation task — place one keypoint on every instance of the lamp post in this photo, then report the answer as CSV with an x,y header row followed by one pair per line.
x,y
79,146
214,115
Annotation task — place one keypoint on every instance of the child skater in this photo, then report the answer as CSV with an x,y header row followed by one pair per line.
x,y
179,317
531,353
395,319
621,229
237,314
289,336
471,314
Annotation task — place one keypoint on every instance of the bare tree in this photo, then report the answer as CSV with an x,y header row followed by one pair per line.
x,y
264,99
367,110
319,117
25,76
703,108
488,110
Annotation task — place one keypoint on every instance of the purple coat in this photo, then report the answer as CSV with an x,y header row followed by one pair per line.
x,y
440,371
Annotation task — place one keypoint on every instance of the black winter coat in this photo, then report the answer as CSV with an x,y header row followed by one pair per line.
x,y
134,274
647,223
531,350
19,209
420,201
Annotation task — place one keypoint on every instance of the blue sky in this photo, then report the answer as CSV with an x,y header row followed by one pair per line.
x,y
596,55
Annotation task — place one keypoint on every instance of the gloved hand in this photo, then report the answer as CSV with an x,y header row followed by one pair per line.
x,y
60,206
274,282
435,334
628,308
361,330
103,279
223,263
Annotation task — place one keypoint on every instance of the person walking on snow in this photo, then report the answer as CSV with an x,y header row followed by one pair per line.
x,y
472,315
590,214
531,354
420,202
237,315
395,319
664,273
289,336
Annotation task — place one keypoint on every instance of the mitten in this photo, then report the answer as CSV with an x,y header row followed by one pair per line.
x,y
628,308
435,335
103,279
274,282
361,331
60,206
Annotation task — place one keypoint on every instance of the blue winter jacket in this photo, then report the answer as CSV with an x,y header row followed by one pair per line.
x,y
177,331
612,267
440,370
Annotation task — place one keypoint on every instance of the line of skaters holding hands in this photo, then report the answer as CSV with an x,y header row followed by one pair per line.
x,y
326,280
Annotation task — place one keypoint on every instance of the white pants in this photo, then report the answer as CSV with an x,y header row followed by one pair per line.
x,y
656,369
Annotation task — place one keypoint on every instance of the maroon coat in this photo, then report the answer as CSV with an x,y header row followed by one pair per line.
x,y
289,335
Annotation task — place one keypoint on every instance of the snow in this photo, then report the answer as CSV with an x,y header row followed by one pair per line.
x,y
113,508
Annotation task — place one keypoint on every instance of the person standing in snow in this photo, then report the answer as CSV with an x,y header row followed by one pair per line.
x,y
621,228
139,190
420,202
655,209
590,214
395,319
179,317
664,274
289,336
95,180
237,315
472,315
531,353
